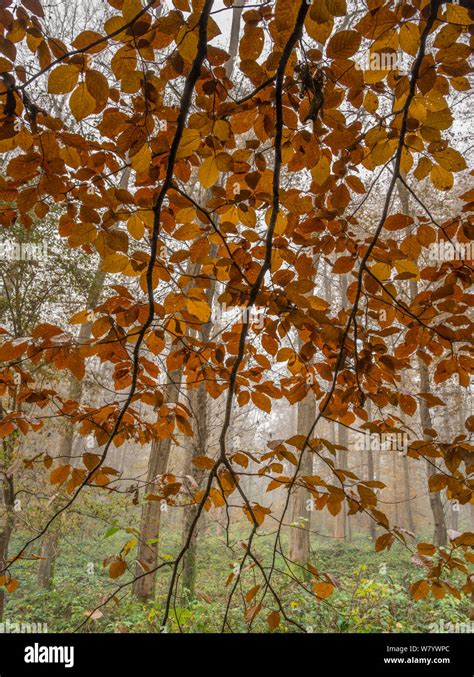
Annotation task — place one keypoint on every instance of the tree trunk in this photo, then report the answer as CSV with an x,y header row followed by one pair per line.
x,y
341,517
342,438
453,423
440,536
300,501
407,492
199,444
198,447
5,532
407,483
144,587
50,543
371,474
436,505
299,550
8,513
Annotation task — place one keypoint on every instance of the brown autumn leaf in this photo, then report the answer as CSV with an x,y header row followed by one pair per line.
x,y
273,620
60,474
203,462
419,589
344,264
117,568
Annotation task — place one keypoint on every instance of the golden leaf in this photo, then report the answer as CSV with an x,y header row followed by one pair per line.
x,y
405,266
63,79
343,45
450,159
441,178
410,38
381,271
136,227
190,141
82,103
114,263
199,309
419,589
208,172
97,86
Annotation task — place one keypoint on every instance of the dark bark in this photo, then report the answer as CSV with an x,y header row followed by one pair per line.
x,y
7,514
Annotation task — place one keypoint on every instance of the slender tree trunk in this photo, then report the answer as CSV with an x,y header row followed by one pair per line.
x,y
407,483
144,587
299,550
50,543
453,424
7,518
340,526
407,491
371,474
436,505
440,536
234,36
299,537
198,446
395,484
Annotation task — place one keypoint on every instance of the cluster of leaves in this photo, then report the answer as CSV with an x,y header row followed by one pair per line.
x,y
280,198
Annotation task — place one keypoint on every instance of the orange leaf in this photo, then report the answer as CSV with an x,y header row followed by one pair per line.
x,y
323,590
262,401
12,585
252,612
397,221
60,474
251,593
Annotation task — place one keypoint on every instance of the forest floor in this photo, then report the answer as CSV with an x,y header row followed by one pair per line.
x,y
371,595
